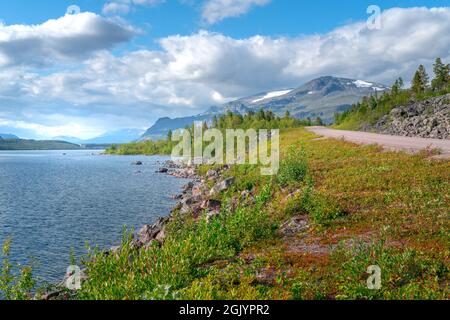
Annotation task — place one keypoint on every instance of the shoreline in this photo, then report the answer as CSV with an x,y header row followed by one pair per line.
x,y
194,197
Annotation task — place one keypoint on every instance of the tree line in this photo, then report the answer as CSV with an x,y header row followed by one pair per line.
x,y
372,108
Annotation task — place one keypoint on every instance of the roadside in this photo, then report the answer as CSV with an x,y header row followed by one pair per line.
x,y
391,143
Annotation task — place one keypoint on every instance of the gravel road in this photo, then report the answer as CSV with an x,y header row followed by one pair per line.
x,y
411,145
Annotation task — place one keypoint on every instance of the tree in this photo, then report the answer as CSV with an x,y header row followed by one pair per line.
x,y
441,75
319,121
397,86
169,135
215,122
287,115
373,102
420,80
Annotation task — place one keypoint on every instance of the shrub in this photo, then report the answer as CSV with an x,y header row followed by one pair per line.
x,y
14,286
294,167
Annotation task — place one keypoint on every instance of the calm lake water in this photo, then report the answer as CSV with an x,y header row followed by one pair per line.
x,y
51,203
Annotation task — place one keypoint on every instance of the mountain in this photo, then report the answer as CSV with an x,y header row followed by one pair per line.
x,y
160,129
119,136
21,144
8,136
70,139
322,97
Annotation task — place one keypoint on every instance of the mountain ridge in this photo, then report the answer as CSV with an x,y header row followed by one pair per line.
x,y
321,97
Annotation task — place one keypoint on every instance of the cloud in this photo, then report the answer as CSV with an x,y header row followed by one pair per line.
x,y
192,72
124,6
215,11
69,38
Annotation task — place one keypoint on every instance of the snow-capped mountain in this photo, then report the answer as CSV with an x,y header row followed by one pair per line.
x,y
322,97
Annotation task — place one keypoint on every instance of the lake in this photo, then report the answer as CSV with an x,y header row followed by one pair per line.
x,y
53,202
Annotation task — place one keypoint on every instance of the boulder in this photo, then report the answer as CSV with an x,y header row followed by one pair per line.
x,y
189,201
148,233
163,170
211,205
295,226
222,186
137,163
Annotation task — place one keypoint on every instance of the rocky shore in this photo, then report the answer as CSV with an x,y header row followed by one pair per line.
x,y
196,197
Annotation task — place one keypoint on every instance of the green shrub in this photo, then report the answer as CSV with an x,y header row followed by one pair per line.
x,y
14,284
294,167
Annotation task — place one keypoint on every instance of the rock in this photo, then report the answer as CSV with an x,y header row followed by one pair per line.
x,y
295,226
148,233
185,209
137,163
163,170
198,190
212,174
211,205
161,236
189,201
211,215
188,187
115,250
426,119
222,186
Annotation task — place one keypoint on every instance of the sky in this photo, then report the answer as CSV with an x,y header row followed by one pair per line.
x,y
85,67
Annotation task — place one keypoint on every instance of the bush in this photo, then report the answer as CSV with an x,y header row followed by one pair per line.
x,y
294,167
12,286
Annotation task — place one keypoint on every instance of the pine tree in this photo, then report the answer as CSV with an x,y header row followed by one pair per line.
x,y
397,86
420,81
287,115
441,75
215,122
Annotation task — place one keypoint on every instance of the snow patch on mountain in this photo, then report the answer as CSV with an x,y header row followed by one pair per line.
x,y
271,95
363,84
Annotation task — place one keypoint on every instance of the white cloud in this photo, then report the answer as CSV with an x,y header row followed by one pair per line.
x,y
190,73
217,10
124,6
72,37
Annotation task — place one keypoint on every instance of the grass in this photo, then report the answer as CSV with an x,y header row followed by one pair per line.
x,y
363,207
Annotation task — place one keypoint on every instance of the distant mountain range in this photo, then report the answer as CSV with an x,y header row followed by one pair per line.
x,y
120,136
8,136
322,97
22,144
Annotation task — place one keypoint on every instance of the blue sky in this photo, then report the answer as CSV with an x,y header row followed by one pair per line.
x,y
124,63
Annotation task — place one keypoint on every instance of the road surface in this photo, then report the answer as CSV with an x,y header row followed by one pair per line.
x,y
396,143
